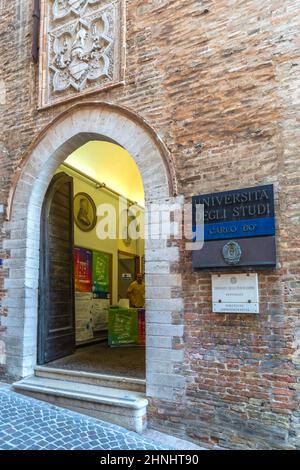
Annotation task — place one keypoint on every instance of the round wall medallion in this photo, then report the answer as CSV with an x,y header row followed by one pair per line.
x,y
232,253
85,213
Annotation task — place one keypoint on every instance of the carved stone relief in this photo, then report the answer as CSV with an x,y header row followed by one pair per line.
x,y
82,48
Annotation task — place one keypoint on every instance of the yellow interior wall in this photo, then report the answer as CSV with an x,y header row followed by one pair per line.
x,y
111,164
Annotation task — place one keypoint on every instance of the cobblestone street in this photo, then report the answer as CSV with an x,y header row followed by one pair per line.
x,y
28,424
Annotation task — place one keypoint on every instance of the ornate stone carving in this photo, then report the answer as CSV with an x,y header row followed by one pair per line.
x,y
81,52
82,48
62,8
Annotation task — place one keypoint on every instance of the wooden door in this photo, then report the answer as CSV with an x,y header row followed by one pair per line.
x,y
56,332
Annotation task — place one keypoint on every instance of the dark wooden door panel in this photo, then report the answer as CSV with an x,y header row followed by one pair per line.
x,y
56,293
58,278
58,234
58,346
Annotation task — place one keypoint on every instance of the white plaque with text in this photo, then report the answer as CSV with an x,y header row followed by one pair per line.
x,y
235,293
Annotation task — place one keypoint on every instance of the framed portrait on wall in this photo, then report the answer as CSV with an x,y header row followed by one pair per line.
x,y
85,213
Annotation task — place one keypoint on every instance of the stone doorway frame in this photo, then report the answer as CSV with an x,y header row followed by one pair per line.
x,y
70,130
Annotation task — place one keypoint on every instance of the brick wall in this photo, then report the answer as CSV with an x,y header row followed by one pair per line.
x,y
219,82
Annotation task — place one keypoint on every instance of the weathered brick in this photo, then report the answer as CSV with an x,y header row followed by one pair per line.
x,y
219,82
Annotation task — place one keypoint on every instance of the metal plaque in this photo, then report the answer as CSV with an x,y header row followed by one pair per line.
x,y
235,293
260,251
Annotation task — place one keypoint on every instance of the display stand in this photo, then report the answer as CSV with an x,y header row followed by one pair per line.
x,y
126,327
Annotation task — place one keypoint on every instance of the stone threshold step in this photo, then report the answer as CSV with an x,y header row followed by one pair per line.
x,y
118,406
104,380
95,393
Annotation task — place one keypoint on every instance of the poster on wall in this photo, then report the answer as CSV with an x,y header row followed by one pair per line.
x,y
84,316
83,270
100,314
101,275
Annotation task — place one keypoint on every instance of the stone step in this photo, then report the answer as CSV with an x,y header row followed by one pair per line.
x,y
123,407
104,380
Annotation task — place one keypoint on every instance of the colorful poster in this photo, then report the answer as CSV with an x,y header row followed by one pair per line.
x,y
83,270
122,326
141,326
101,275
83,316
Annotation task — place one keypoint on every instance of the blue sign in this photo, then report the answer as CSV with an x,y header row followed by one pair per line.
x,y
240,229
242,213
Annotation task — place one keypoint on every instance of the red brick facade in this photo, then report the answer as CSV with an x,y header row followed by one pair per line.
x,y
219,82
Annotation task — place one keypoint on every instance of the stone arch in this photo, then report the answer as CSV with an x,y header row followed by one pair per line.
x,y
110,118
70,130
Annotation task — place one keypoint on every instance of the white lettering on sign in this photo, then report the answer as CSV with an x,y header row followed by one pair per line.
x,y
126,276
235,293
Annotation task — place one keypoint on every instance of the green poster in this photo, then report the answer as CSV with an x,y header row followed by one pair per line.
x,y
101,275
122,326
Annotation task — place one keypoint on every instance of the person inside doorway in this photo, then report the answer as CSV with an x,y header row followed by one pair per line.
x,y
136,292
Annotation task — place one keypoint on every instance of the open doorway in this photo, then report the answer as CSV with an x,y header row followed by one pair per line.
x,y
86,320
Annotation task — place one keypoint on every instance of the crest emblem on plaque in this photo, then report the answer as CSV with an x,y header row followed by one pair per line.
x,y
232,253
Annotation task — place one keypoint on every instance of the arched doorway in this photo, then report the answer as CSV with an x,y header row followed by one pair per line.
x,y
80,124
89,264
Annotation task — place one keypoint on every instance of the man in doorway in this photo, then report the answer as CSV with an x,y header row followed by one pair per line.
x,y
136,292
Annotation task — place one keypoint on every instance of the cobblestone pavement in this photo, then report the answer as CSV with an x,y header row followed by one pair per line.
x,y
29,424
